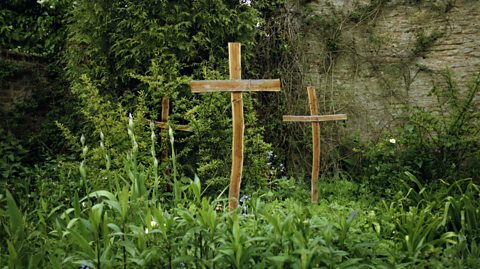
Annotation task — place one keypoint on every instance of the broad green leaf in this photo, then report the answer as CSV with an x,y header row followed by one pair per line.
x,y
16,217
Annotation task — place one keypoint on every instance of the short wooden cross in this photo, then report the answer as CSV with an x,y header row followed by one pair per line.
x,y
236,86
315,119
163,125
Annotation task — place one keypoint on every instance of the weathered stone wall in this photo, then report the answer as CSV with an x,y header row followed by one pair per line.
x,y
393,56
20,77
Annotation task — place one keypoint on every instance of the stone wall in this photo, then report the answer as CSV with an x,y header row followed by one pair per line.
x,y
391,56
21,75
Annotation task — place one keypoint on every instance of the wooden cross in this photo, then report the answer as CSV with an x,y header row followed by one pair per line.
x,y
163,125
236,86
315,119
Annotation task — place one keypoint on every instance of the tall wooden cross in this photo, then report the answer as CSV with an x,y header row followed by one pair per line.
x,y
236,86
315,119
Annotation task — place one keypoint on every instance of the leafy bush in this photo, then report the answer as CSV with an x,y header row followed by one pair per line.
x,y
12,153
441,143
30,27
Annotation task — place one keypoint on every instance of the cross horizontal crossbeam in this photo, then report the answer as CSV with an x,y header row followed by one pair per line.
x,y
165,125
315,118
247,85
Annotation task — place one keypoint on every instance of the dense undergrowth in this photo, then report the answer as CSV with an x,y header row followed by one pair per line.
x,y
103,218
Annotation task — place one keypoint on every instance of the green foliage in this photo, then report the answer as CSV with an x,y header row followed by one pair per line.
x,y
137,53
30,27
129,224
441,143
12,153
110,40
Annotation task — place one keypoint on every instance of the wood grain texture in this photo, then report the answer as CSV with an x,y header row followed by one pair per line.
x,y
312,103
235,85
315,118
235,65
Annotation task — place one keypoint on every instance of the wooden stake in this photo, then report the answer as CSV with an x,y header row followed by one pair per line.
x,y
315,119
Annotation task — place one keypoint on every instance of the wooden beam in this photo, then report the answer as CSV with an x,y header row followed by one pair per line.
x,y
315,118
164,125
235,85
235,65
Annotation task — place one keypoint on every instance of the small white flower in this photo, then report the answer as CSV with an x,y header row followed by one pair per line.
x,y
153,223
393,141
84,204
146,230
170,133
246,2
130,120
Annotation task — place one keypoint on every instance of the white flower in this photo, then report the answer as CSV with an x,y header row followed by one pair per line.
x,y
153,223
146,230
246,2
85,150
170,133
84,204
130,120
393,141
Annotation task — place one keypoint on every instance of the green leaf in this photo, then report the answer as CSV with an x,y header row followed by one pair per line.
x,y
16,218
82,243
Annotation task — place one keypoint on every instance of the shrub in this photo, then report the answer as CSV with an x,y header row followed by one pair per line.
x,y
441,143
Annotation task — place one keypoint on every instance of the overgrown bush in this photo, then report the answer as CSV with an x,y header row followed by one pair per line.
x,y
433,144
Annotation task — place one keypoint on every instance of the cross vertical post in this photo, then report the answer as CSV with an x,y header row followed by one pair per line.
x,y
315,120
235,69
236,86
312,102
